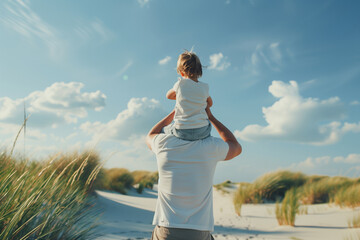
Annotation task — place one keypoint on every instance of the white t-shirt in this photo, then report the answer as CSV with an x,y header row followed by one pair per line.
x,y
190,105
186,171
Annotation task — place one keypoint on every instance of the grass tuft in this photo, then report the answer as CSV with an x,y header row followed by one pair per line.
x,y
48,200
354,222
286,212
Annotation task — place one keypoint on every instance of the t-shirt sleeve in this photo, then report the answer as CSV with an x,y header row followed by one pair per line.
x,y
155,144
176,86
206,88
220,149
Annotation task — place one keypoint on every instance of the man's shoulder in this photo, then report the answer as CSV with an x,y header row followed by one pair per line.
x,y
209,148
171,141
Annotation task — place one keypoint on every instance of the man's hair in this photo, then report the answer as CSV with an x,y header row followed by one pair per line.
x,y
189,64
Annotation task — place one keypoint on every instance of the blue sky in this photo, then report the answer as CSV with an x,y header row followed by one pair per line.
x,y
284,77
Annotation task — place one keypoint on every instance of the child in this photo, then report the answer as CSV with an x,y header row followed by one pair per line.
x,y
192,96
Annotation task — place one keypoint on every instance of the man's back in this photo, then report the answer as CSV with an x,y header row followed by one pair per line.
x,y
186,170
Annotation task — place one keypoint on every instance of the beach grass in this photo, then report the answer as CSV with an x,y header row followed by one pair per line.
x,y
121,180
348,196
271,187
241,196
324,189
48,200
286,211
275,187
354,221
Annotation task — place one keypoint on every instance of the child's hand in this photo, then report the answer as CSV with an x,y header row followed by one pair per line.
x,y
171,94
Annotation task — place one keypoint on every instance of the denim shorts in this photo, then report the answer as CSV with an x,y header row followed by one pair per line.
x,y
192,134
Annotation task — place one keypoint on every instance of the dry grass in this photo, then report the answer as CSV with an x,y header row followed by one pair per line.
x,y
47,200
242,196
348,196
354,222
323,190
273,186
286,212
121,180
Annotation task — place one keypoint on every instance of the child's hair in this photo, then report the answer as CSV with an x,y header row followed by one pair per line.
x,y
189,64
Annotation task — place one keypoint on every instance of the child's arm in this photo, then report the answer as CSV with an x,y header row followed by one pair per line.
x,y
209,101
171,94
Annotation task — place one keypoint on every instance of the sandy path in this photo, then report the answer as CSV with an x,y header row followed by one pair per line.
x,y
130,217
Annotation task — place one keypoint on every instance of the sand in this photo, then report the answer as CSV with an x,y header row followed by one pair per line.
x,y
130,217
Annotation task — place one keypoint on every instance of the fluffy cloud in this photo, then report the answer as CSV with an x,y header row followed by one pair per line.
x,y
141,114
304,120
351,158
59,103
218,62
326,165
132,154
351,127
165,60
312,162
19,16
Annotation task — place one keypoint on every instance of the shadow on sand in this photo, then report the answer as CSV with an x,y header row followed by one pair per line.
x,y
226,230
122,221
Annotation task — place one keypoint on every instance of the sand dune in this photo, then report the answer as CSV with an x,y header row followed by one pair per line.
x,y
130,216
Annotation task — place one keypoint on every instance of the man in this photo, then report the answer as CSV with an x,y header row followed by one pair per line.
x,y
184,208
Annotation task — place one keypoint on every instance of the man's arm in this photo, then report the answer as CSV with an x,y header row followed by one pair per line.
x,y
171,94
226,135
209,101
158,127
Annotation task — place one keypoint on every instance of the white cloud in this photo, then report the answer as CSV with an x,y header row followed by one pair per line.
x,y
327,165
351,127
143,2
265,57
310,162
10,129
132,154
218,62
351,158
94,31
124,136
330,166
165,60
355,103
304,120
19,16
141,114
59,103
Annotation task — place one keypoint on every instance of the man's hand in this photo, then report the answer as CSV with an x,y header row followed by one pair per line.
x,y
209,102
208,112
226,135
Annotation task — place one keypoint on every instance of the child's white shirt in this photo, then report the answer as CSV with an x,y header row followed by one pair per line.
x,y
191,101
